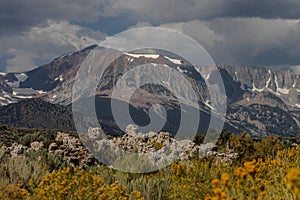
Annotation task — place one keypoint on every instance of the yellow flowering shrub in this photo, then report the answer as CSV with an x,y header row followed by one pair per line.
x,y
193,181
262,179
265,171
13,191
80,184
293,181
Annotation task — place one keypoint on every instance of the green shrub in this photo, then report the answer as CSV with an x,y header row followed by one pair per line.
x,y
14,170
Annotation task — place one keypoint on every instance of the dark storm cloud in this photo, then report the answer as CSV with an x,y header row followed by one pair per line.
x,y
257,41
255,32
286,9
157,11
250,41
21,15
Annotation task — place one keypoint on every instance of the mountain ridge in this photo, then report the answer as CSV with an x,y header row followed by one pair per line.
x,y
263,90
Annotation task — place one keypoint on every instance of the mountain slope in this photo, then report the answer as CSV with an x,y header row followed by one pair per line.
x,y
36,113
260,101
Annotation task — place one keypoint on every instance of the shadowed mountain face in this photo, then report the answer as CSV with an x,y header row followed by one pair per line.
x,y
36,113
259,101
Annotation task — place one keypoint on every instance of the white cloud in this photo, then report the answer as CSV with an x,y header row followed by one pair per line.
x,y
159,38
251,41
140,25
46,42
22,61
199,31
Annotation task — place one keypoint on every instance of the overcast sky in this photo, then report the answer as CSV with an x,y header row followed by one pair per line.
x,y
251,32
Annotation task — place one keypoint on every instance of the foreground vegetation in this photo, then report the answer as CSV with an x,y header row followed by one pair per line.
x,y
267,168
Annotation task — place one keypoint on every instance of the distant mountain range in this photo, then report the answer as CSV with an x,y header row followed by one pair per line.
x,y
260,101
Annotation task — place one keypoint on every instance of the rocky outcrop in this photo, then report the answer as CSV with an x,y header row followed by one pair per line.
x,y
225,158
17,150
94,133
36,145
72,150
159,147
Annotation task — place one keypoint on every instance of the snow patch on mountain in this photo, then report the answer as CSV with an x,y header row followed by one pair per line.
x,y
173,60
6,98
256,89
207,103
155,56
283,90
130,59
269,80
181,70
60,78
24,97
41,92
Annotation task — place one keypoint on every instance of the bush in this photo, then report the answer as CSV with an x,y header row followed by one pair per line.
x,y
267,147
12,191
51,161
193,181
21,169
80,184
153,185
244,145
268,168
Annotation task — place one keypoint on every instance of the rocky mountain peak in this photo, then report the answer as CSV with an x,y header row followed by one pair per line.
x,y
255,95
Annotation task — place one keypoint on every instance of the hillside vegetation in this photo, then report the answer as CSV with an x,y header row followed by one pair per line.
x,y
267,168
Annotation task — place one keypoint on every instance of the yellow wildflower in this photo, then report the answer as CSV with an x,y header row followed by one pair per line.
x,y
293,180
215,183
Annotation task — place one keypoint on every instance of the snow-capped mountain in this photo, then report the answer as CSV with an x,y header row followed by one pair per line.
x,y
260,101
